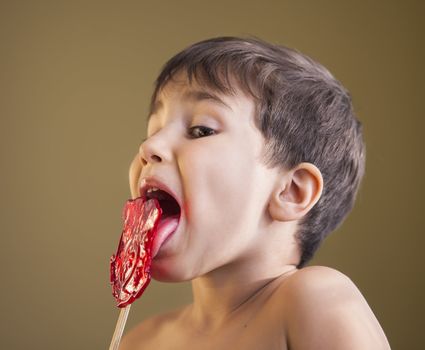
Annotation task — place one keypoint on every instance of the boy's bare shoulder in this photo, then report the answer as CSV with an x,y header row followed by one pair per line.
x,y
147,332
315,279
310,286
323,309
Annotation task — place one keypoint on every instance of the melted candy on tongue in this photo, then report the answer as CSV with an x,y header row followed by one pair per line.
x,y
130,266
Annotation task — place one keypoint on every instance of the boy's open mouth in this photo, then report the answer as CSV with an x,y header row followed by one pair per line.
x,y
168,204
170,216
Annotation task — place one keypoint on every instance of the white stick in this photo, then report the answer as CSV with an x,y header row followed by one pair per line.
x,y
119,328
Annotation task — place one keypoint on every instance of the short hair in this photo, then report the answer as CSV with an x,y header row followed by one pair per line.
x,y
303,112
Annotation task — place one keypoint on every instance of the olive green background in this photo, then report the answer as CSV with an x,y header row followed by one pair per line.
x,y
75,80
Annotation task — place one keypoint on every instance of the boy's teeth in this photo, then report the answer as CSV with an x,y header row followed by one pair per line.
x,y
152,189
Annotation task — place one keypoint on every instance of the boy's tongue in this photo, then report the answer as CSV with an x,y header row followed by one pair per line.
x,y
166,226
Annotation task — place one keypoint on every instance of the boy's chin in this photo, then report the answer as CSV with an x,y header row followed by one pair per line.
x,y
163,270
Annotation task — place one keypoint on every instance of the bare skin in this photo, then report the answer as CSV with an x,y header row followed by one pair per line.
x,y
312,308
242,256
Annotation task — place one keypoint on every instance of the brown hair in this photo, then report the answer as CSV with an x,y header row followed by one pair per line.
x,y
304,113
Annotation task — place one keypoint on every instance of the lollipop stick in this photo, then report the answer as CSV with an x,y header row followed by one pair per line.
x,y
119,328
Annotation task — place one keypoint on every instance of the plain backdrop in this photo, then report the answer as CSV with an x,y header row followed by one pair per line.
x,y
75,81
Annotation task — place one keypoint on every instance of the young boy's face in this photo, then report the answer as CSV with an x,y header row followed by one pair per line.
x,y
209,153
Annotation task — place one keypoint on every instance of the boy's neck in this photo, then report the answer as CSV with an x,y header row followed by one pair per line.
x,y
225,292
221,294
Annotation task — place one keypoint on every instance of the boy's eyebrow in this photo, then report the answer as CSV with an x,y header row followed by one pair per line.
x,y
193,95
201,95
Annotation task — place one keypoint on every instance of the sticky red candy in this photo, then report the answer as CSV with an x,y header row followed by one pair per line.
x,y
130,266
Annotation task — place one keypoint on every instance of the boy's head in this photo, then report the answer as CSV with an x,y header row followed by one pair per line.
x,y
303,113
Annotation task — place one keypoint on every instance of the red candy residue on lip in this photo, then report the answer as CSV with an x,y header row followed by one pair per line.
x,y
130,266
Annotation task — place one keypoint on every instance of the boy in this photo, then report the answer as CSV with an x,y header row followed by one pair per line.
x,y
260,148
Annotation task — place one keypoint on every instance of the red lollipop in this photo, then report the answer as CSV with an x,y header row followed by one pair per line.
x,y
130,266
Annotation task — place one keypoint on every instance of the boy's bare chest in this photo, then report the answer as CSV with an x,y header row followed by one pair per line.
x,y
242,340
256,334
260,325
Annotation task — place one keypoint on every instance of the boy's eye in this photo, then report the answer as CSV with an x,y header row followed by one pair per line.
x,y
200,131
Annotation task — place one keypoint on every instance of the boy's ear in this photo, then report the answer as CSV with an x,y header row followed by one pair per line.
x,y
296,193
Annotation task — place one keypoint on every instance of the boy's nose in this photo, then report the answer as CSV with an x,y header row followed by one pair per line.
x,y
151,152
